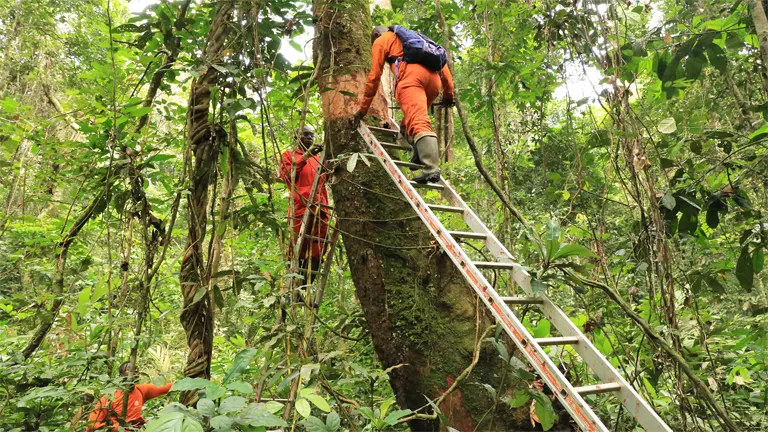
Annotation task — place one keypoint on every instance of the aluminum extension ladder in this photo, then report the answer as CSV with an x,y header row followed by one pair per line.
x,y
571,397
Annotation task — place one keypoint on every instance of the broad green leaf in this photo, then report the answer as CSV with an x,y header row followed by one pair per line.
x,y
745,270
713,217
138,112
393,417
314,424
573,249
717,57
544,411
542,329
221,423
352,162
83,300
173,422
759,133
302,406
667,126
187,384
214,391
521,398
240,363
333,422
257,415
206,407
668,201
241,387
758,259
319,402
232,404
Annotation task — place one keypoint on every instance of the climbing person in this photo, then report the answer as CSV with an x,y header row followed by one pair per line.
x,y
306,160
419,67
107,412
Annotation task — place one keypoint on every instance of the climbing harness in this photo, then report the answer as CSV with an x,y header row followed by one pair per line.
x,y
571,397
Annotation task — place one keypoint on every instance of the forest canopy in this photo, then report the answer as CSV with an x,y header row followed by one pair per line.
x,y
616,149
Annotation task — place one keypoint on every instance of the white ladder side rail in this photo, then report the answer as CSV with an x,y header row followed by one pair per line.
x,y
627,395
580,411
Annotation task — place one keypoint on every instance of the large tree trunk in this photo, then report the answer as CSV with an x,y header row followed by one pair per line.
x,y
197,315
761,28
420,312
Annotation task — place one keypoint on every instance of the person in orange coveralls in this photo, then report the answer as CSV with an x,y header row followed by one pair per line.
x,y
416,88
307,162
112,412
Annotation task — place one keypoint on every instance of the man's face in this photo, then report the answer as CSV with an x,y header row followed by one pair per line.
x,y
307,139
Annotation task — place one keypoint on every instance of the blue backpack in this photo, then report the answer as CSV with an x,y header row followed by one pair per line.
x,y
420,49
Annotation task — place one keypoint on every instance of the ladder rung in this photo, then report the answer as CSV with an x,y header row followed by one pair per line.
x,y
521,300
391,146
469,235
550,341
434,186
384,130
598,388
408,164
494,265
448,209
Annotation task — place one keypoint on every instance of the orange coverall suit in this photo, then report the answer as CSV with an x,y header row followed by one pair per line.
x,y
305,175
417,86
113,411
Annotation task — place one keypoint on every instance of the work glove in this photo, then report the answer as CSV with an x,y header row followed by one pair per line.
x,y
449,102
315,149
357,118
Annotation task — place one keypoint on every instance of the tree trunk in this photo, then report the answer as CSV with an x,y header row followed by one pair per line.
x,y
420,312
761,28
197,314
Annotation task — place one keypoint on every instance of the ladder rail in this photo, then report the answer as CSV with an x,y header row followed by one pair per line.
x,y
636,405
580,411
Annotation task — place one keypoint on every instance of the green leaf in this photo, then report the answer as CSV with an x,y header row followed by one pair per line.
x,y
214,391
693,65
319,402
206,407
521,398
333,422
232,404
174,422
314,424
240,363
187,384
713,217
83,300
573,249
745,270
241,387
221,423
542,329
668,201
758,259
544,411
393,417
759,133
138,112
258,415
667,126
714,284
717,57
302,406
352,162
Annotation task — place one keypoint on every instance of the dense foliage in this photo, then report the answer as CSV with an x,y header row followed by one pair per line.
x,y
630,135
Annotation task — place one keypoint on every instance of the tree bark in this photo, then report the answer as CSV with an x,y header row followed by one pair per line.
x,y
761,28
420,312
197,314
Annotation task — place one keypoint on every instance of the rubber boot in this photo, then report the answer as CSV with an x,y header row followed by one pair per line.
x,y
428,153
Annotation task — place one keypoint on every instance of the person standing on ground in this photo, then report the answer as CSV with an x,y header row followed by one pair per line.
x,y
420,71
111,413
307,162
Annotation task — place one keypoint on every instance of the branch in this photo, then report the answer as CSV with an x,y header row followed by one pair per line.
x,y
657,340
